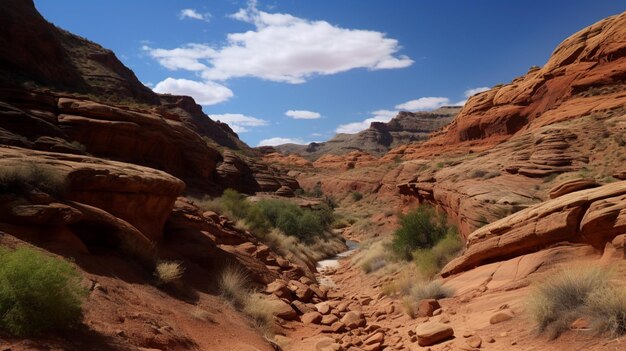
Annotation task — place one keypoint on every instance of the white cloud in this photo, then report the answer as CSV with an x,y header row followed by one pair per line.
x,y
238,122
302,114
285,48
279,141
355,127
469,93
205,93
424,104
193,14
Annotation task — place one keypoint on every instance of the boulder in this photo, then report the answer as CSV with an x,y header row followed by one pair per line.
x,y
500,316
311,318
354,319
431,333
427,307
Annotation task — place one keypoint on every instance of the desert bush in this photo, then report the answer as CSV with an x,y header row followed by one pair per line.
x,y
168,271
257,307
208,203
234,204
372,256
26,178
233,284
357,196
431,261
37,292
305,224
558,301
421,228
607,309
430,290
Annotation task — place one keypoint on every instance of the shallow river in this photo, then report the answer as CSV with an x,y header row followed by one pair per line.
x,y
333,263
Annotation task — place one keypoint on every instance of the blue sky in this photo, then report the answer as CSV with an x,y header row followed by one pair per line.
x,y
300,70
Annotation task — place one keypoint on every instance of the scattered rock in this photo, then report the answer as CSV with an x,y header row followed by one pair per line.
x,y
329,319
354,319
475,341
500,316
427,307
431,333
311,318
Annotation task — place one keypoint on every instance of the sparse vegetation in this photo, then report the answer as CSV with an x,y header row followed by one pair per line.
x,y
421,228
607,309
574,293
372,256
233,285
24,179
168,272
431,261
37,292
357,196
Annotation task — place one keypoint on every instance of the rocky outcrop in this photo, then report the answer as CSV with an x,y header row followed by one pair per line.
x,y
100,202
139,138
593,216
347,161
583,76
380,137
570,186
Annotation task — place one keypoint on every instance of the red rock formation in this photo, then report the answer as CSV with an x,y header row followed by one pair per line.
x,y
584,75
593,216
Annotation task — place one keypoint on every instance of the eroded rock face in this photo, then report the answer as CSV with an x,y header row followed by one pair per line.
x,y
584,75
406,127
140,196
594,216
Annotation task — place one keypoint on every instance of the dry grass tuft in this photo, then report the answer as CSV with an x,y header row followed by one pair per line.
x,y
233,284
373,256
169,271
573,293
607,309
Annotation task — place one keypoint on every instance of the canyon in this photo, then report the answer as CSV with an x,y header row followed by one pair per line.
x,y
532,173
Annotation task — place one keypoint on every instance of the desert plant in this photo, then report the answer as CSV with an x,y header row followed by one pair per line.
x,y
234,204
430,261
607,308
430,290
357,196
420,228
558,301
168,272
233,284
257,307
317,190
23,179
37,292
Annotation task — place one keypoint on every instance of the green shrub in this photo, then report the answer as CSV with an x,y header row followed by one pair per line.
x,y
305,224
21,180
37,292
421,228
299,192
234,204
431,261
357,196
257,222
